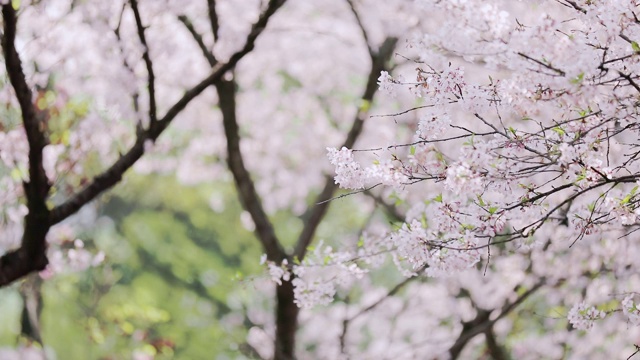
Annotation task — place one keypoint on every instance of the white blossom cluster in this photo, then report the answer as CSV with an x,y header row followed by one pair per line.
x,y
582,317
526,129
351,175
68,253
630,310
319,276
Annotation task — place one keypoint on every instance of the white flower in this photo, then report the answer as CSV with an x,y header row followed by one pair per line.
x,y
309,294
387,84
582,317
349,174
279,273
462,179
630,310
387,174
568,154
432,127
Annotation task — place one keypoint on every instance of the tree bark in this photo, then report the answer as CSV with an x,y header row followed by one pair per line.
x,y
31,256
31,293
286,322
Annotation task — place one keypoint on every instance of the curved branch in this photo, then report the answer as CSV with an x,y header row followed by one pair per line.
x,y
246,190
365,36
33,119
114,174
153,113
482,323
315,214
213,18
31,254
391,210
496,351
211,59
347,321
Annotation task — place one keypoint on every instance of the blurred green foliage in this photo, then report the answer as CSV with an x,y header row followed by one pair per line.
x,y
171,262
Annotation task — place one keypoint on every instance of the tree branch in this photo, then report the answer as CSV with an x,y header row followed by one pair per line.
x,y
31,294
482,323
114,174
391,210
213,18
496,351
153,114
37,188
198,38
543,64
365,36
315,214
346,322
31,254
244,184
575,6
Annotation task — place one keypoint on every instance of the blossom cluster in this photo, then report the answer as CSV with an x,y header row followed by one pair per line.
x,y
582,316
525,140
317,279
351,175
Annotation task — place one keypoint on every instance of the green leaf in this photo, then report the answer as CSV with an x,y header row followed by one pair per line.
x,y
521,290
15,4
559,130
412,150
470,142
238,276
578,79
635,46
16,174
468,227
480,201
65,138
438,198
41,104
493,209
289,81
365,105
609,306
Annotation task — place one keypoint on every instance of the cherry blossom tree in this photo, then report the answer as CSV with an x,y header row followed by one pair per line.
x,y
96,97
28,148
528,140
120,33
504,157
231,105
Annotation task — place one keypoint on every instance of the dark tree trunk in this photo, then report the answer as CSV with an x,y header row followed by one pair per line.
x,y
286,322
31,293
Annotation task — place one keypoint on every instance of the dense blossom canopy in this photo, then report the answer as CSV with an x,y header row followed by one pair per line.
x,y
504,149
527,141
